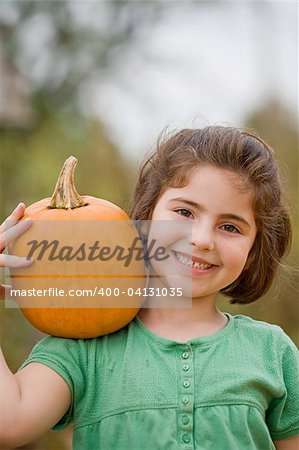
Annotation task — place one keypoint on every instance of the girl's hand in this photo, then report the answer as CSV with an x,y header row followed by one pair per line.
x,y
10,229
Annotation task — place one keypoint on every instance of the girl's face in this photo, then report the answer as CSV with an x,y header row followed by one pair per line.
x,y
221,219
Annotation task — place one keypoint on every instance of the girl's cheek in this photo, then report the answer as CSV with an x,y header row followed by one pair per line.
x,y
170,234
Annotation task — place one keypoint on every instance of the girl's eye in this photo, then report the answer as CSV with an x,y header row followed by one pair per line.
x,y
230,228
184,212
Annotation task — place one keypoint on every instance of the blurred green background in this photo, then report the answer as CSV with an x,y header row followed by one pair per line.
x,y
44,119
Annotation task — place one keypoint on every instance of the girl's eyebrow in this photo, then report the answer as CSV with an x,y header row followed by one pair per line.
x,y
228,216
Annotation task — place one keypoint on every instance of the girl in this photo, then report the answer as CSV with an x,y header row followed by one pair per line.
x,y
180,378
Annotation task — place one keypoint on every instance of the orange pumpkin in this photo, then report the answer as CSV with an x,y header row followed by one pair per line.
x,y
65,228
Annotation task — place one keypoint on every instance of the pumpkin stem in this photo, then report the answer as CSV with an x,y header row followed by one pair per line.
x,y
65,195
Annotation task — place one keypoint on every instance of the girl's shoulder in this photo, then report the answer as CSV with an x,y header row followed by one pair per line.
x,y
264,332
68,351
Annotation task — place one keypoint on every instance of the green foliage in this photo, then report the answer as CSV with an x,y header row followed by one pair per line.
x,y
32,159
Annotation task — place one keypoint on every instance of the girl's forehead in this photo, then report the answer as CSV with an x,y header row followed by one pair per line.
x,y
223,181
213,187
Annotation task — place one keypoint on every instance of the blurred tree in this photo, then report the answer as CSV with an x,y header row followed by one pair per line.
x,y
279,128
49,53
60,47
33,158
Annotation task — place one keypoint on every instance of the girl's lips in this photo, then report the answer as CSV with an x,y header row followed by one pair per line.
x,y
193,258
192,264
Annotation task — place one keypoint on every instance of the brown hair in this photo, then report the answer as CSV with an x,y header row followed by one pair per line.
x,y
249,156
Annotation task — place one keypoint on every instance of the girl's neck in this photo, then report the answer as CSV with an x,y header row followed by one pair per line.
x,y
183,324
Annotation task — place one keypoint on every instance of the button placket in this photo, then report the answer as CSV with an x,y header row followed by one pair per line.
x,y
186,398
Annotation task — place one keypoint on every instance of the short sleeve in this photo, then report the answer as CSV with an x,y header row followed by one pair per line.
x,y
283,413
64,356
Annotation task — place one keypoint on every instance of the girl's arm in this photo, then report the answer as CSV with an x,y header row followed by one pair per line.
x,y
287,444
32,401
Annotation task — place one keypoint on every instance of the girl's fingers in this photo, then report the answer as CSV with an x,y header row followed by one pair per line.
x,y
14,261
13,219
12,233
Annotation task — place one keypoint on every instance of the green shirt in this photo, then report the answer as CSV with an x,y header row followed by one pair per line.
x,y
133,390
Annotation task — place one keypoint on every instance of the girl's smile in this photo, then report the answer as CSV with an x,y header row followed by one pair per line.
x,y
218,210
197,266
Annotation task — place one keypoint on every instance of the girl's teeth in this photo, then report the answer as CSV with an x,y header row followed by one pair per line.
x,y
188,262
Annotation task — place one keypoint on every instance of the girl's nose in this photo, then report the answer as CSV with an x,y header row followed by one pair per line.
x,y
203,237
